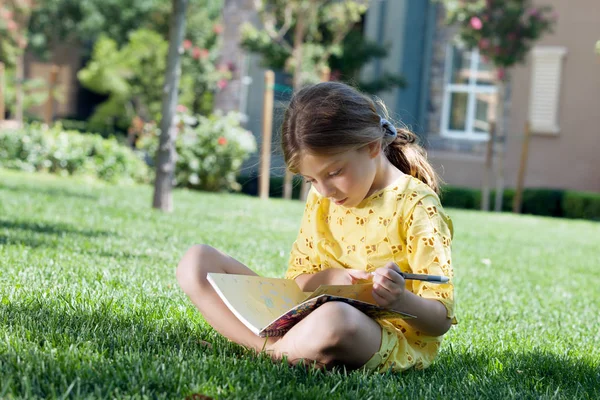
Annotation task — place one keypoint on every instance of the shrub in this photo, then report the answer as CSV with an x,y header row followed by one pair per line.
x,y
36,147
210,150
581,205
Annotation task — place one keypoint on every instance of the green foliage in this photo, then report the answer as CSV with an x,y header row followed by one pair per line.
x,y
357,52
546,202
582,205
90,306
131,76
84,21
327,23
39,148
210,151
503,31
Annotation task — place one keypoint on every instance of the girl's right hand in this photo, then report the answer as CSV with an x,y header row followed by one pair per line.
x,y
348,276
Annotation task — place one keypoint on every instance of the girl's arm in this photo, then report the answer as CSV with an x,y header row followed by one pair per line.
x,y
389,290
432,319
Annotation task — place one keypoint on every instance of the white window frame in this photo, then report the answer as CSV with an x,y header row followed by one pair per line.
x,y
472,89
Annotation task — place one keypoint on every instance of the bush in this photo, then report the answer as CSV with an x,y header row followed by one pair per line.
x,y
210,151
581,205
36,147
250,186
460,197
547,202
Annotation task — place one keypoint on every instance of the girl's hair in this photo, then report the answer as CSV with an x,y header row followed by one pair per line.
x,y
332,118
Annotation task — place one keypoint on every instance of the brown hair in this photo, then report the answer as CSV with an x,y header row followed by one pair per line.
x,y
332,118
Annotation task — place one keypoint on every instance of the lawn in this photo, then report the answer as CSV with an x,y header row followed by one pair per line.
x,y
89,305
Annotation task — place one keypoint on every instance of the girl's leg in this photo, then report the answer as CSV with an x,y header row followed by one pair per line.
x,y
334,334
191,273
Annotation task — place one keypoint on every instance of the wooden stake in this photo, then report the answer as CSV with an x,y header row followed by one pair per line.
x,y
49,111
265,158
2,90
518,199
487,173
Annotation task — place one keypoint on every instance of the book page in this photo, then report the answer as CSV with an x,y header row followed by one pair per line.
x,y
256,300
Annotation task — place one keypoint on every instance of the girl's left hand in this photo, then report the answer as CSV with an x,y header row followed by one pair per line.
x,y
388,285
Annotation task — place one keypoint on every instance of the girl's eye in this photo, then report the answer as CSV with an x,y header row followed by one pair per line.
x,y
336,173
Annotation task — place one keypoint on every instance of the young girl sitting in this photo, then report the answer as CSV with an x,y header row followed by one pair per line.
x,y
372,213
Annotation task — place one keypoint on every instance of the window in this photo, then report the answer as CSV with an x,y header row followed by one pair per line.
x,y
469,95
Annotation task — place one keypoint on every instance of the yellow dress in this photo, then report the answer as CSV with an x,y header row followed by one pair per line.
x,y
404,223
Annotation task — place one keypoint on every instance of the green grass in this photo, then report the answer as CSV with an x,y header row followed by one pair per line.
x,y
89,305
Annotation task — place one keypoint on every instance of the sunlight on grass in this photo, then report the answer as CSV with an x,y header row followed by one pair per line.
x,y
89,305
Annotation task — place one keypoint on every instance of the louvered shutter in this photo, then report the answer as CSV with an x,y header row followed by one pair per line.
x,y
545,88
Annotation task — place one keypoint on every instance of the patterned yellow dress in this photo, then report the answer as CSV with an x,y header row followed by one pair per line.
x,y
404,223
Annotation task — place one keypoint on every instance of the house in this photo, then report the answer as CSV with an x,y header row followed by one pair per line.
x,y
452,95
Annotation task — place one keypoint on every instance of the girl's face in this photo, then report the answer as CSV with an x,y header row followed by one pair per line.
x,y
345,178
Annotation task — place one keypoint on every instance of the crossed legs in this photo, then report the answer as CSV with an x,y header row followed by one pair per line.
x,y
333,334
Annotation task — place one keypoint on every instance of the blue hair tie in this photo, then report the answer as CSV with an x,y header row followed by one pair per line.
x,y
390,130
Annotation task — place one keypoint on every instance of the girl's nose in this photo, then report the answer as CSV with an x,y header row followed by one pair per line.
x,y
328,190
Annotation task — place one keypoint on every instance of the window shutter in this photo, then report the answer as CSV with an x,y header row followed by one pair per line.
x,y
545,88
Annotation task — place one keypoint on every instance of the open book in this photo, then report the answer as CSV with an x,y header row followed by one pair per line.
x,y
271,306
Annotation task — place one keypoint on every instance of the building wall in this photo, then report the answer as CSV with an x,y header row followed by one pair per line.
x,y
571,158
567,160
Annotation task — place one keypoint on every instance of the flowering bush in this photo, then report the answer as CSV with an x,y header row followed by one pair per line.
x,y
210,150
502,30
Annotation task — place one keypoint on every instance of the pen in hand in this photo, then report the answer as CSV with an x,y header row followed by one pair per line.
x,y
423,277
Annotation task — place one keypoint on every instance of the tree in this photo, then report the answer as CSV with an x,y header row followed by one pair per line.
x,y
301,36
503,31
235,13
165,156
357,51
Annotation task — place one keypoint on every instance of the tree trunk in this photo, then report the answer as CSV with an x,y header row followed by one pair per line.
x,y
166,155
235,14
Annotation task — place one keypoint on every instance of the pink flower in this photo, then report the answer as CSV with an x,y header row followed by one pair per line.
x,y
196,52
222,84
501,73
476,23
222,141
5,14
533,12
218,29
554,15
187,44
484,44
181,108
204,54
11,25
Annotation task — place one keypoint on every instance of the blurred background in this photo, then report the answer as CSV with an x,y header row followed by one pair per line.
x,y
503,95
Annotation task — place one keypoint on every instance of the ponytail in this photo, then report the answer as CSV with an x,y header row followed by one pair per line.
x,y
406,155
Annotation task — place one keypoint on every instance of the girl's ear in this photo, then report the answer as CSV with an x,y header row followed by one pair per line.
x,y
374,149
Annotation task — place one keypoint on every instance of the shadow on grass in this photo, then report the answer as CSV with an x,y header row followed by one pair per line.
x,y
51,192
113,351
51,228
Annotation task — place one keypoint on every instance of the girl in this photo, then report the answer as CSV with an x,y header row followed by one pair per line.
x,y
372,213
